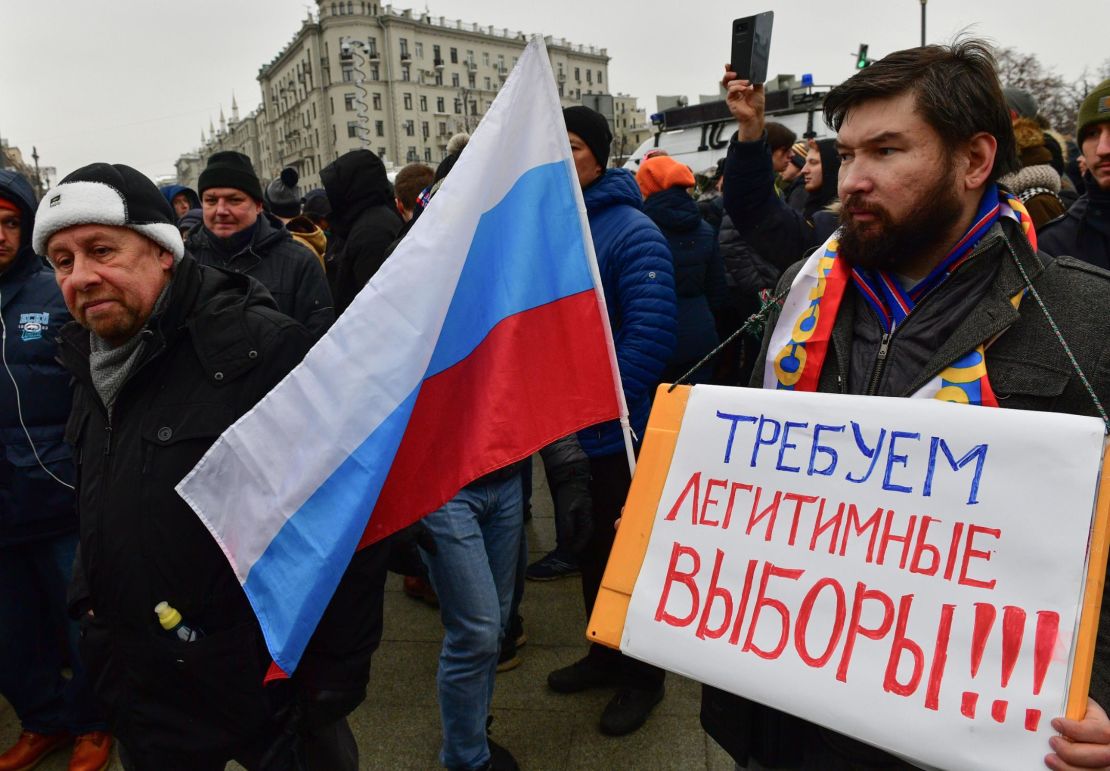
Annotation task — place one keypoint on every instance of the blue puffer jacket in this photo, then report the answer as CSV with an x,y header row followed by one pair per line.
x,y
32,504
699,274
637,276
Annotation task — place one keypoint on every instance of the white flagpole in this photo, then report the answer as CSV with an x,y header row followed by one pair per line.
x,y
587,238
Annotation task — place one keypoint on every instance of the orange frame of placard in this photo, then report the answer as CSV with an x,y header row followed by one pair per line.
x,y
630,547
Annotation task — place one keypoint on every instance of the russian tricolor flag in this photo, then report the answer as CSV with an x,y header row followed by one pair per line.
x,y
483,338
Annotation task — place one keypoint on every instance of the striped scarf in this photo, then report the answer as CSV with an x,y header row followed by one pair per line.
x,y
797,351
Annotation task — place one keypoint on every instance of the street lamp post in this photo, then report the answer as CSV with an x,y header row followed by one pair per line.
x,y
923,21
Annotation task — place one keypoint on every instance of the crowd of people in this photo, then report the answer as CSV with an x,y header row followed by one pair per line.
x,y
138,324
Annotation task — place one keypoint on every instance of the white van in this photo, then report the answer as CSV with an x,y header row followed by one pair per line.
x,y
698,135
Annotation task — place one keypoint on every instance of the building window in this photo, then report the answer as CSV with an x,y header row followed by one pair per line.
x,y
419,49
412,156
469,56
473,107
458,106
589,76
577,74
488,85
599,76
560,88
404,44
379,128
372,46
377,101
485,58
443,128
374,72
439,104
424,130
349,102
454,56
428,154
405,72
455,79
436,58
501,61
410,128
407,100
352,129
439,78
470,79
348,73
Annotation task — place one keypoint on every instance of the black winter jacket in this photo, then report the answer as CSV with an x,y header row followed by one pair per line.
x,y
364,220
1028,370
33,505
699,277
748,273
290,272
219,346
1083,231
780,234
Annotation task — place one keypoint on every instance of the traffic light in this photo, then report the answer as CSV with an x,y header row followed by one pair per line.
x,y
861,58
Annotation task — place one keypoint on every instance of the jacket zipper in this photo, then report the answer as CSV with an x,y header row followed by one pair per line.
x,y
887,338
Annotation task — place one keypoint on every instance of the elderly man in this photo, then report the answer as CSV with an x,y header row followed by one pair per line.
x,y
1084,230
239,236
937,263
166,354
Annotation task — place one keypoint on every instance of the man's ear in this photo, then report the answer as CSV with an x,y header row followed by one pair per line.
x,y
165,258
981,150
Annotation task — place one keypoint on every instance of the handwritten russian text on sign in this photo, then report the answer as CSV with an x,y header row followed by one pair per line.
x,y
875,564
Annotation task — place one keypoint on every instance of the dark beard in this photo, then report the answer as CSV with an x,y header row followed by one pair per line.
x,y
888,245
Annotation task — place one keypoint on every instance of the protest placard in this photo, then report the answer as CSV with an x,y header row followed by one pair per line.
x,y
868,564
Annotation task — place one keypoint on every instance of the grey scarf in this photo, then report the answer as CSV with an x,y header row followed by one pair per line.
x,y
110,367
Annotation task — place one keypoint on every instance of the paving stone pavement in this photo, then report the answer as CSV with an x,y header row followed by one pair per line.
x,y
397,727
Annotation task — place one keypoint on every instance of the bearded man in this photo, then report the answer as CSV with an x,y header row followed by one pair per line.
x,y
933,271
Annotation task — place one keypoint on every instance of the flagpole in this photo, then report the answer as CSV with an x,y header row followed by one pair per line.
x,y
588,242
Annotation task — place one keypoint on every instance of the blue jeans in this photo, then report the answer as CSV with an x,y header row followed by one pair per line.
x,y
477,535
37,639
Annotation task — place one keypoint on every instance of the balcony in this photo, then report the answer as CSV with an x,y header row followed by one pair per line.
x,y
438,63
406,56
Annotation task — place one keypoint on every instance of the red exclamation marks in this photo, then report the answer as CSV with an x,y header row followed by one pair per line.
x,y
1048,628
984,622
1013,630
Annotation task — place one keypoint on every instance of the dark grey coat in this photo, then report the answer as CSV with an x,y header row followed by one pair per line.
x,y
1028,370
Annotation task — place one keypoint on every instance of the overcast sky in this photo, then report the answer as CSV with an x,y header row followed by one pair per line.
x,y
135,81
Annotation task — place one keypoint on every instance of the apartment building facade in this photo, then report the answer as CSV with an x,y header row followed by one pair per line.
x,y
398,82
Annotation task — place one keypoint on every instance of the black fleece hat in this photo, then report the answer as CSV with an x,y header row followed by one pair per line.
x,y
316,204
230,169
592,127
283,197
108,194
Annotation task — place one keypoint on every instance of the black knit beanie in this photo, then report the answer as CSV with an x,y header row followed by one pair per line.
x,y
107,194
592,127
230,169
283,197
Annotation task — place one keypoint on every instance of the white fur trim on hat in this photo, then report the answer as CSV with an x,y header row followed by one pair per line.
x,y
95,203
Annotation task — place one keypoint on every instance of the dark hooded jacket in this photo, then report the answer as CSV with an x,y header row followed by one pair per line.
x,y
699,277
172,191
216,349
33,505
289,270
830,172
364,221
777,232
1028,370
637,276
1083,231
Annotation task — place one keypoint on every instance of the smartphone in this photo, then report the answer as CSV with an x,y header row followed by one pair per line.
x,y
751,46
